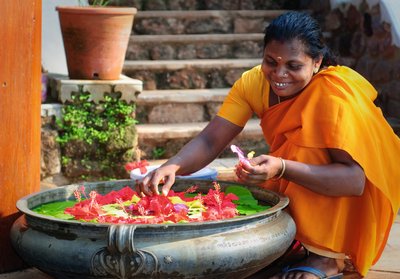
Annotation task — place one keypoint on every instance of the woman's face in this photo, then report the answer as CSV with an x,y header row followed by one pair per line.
x,y
287,67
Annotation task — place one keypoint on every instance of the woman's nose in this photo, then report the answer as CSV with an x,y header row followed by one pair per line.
x,y
281,72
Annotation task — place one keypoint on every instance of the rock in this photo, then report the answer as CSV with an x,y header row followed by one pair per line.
x,y
50,153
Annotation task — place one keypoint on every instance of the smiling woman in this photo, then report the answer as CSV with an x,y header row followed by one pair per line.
x,y
331,150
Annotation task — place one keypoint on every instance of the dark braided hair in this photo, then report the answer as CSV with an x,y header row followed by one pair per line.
x,y
301,26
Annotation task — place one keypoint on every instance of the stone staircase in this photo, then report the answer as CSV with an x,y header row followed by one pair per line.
x,y
188,59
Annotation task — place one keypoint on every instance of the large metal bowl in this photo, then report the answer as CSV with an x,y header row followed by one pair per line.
x,y
231,248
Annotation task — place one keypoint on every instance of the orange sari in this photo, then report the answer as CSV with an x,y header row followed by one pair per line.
x,y
335,110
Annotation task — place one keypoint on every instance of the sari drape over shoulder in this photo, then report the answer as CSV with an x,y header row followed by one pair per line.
x,y
335,110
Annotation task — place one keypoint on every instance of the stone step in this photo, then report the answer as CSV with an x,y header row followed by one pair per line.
x,y
189,130
201,4
158,141
196,46
149,97
179,106
188,74
195,38
203,21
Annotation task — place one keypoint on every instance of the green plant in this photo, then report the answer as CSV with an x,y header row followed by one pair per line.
x,y
100,2
96,138
158,152
65,160
94,2
94,123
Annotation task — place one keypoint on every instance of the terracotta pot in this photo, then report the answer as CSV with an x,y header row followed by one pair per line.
x,y
95,40
231,248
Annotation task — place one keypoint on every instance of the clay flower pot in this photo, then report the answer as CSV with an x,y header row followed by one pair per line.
x,y
95,40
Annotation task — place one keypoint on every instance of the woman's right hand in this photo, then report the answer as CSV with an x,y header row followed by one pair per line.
x,y
259,169
165,175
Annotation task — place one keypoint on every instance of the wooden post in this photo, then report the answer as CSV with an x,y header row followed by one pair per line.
x,y
20,85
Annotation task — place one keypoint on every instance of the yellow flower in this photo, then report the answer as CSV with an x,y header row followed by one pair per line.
x,y
250,155
135,199
176,200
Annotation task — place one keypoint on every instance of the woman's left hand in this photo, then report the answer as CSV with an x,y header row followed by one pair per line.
x,y
259,170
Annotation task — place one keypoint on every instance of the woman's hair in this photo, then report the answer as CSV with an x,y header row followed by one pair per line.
x,y
301,26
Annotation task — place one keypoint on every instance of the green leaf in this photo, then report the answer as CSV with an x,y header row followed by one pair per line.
x,y
55,209
64,216
246,204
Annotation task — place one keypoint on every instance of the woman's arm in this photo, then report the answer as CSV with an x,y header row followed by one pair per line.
x,y
343,177
195,155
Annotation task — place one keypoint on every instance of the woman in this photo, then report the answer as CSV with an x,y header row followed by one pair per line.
x,y
331,151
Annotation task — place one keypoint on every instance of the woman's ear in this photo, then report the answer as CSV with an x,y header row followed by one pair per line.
x,y
318,61
317,64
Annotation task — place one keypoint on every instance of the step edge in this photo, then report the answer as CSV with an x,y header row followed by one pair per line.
x,y
134,65
187,130
209,13
182,38
181,96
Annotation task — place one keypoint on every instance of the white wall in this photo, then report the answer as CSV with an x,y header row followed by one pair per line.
x,y
390,13
53,55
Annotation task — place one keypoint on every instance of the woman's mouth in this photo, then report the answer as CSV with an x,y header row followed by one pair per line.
x,y
280,85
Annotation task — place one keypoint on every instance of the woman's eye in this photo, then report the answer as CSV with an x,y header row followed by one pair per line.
x,y
294,67
270,63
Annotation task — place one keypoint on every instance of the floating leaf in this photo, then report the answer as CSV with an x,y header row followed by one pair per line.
x,y
246,204
56,209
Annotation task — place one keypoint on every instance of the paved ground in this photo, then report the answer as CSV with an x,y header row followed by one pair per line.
x,y
388,267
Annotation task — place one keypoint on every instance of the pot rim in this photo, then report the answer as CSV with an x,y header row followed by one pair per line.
x,y
22,206
96,10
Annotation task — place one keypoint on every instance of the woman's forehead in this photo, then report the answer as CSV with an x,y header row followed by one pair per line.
x,y
291,48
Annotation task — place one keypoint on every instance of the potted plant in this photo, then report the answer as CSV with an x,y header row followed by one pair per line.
x,y
95,39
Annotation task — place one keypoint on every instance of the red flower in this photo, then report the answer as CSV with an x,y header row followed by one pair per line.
x,y
141,165
125,194
161,205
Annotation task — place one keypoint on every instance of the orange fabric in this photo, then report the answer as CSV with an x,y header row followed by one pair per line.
x,y
335,110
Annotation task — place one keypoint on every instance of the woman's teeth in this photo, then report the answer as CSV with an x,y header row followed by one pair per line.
x,y
280,84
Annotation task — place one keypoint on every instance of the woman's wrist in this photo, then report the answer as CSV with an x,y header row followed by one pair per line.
x,y
174,163
280,174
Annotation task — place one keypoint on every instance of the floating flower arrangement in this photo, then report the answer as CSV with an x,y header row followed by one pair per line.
x,y
126,206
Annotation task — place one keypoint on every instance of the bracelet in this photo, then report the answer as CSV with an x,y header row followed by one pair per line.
x,y
283,168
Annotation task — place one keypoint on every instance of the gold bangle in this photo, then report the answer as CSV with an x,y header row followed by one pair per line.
x,y
282,172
